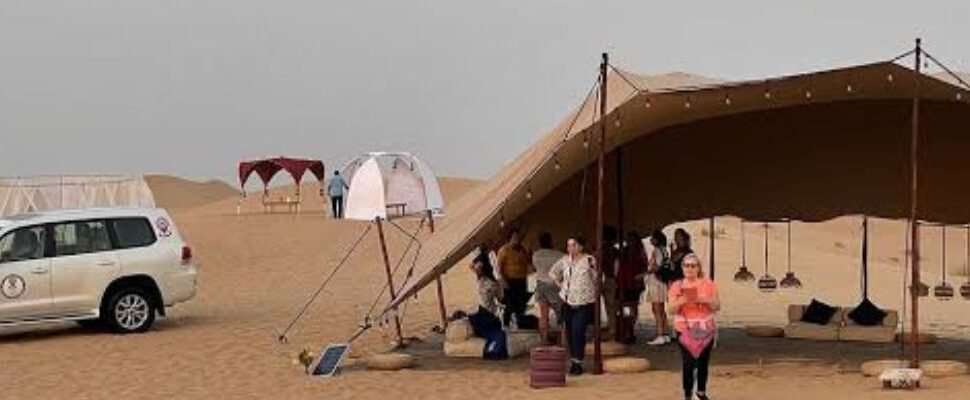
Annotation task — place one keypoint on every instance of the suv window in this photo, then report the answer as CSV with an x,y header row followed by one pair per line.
x,y
133,232
23,244
81,237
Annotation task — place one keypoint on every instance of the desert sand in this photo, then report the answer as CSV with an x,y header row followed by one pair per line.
x,y
257,269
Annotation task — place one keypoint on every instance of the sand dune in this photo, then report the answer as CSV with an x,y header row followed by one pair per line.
x,y
257,269
178,193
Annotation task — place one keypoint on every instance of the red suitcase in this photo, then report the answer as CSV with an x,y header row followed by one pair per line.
x,y
547,367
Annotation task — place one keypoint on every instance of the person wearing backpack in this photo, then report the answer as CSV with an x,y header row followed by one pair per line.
x,y
659,272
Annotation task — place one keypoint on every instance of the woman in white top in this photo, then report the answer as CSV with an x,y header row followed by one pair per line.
x,y
576,275
547,291
656,293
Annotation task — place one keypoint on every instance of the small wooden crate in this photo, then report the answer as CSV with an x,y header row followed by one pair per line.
x,y
547,367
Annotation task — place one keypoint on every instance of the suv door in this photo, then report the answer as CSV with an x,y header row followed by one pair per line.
x,y
83,265
25,278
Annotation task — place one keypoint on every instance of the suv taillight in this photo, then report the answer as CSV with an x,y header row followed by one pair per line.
x,y
186,254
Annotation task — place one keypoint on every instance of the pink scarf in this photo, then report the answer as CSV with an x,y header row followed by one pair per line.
x,y
699,334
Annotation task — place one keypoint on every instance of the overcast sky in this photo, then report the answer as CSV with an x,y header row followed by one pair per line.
x,y
190,87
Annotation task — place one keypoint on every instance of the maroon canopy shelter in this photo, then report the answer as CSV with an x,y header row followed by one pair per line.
x,y
267,168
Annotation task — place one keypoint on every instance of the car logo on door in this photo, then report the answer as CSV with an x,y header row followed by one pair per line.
x,y
163,226
13,286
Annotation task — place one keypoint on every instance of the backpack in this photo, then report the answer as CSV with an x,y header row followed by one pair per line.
x,y
666,272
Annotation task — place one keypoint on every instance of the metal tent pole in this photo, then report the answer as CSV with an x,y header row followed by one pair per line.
x,y
913,192
601,167
390,278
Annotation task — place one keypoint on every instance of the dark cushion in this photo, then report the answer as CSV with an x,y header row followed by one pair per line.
x,y
818,313
867,314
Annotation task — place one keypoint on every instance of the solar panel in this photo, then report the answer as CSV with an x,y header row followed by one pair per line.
x,y
330,359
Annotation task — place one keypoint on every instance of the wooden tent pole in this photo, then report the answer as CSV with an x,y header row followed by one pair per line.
x,y
601,169
390,278
914,231
441,290
711,256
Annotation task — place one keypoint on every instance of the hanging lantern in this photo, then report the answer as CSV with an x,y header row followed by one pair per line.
x,y
743,275
790,280
943,291
767,283
965,287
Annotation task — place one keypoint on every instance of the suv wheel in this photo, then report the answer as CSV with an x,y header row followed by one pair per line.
x,y
129,310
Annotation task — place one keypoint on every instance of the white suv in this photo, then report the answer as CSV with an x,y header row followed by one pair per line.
x,y
115,267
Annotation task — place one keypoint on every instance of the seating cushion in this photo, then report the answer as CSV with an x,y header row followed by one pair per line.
x,y
874,334
390,361
471,348
625,365
810,331
818,313
867,314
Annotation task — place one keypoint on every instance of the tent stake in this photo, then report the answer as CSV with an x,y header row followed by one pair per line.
x,y
914,232
601,167
441,289
390,278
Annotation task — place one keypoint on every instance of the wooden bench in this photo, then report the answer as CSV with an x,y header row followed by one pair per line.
x,y
290,205
400,208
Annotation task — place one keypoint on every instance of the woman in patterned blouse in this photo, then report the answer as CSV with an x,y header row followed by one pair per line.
x,y
489,291
576,276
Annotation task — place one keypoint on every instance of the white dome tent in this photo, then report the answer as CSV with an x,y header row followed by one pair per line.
x,y
19,195
382,181
403,184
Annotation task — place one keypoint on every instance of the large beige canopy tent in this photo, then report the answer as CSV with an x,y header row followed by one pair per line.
x,y
20,195
810,147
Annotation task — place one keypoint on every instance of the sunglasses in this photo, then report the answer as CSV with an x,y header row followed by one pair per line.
x,y
692,265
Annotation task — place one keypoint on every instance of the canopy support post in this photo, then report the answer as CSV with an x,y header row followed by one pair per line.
x,y
711,256
914,231
601,169
441,289
390,278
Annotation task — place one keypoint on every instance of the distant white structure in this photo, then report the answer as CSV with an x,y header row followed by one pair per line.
x,y
19,195
395,184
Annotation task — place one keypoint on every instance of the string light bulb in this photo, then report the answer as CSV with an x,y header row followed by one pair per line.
x,y
848,88
727,100
528,194
687,103
617,123
959,96
647,104
889,78
768,94
586,142
808,94
557,165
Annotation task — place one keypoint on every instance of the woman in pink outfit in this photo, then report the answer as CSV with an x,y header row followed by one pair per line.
x,y
693,302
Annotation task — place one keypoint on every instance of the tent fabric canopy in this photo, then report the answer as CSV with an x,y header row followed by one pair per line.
x,y
19,195
381,179
811,146
267,168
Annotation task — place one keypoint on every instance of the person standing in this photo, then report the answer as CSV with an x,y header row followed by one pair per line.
x,y
630,274
335,189
576,276
657,269
681,248
547,291
694,301
514,266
